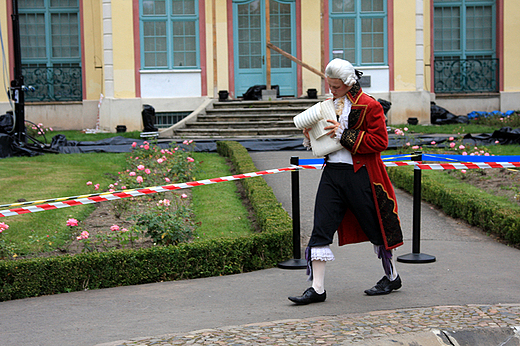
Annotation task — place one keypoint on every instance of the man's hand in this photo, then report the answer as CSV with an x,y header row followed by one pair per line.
x,y
306,132
333,128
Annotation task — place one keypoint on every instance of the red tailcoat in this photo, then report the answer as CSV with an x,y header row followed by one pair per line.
x,y
366,137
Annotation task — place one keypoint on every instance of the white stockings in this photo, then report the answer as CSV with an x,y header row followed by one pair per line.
x,y
321,254
318,278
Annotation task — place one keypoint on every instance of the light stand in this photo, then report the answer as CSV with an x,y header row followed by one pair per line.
x,y
17,87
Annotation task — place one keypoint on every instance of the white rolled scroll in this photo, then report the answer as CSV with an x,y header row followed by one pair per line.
x,y
316,118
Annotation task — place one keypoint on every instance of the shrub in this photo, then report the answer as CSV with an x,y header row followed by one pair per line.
x,y
167,223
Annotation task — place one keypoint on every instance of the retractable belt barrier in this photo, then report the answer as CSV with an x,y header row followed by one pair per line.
x,y
389,161
457,162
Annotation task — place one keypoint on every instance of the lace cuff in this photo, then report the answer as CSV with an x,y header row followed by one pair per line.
x,y
339,132
307,143
321,253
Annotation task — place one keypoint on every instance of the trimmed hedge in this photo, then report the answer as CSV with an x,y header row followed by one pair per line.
x,y
43,276
476,207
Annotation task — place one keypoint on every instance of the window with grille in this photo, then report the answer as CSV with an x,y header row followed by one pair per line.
x,y
358,31
169,34
50,49
167,119
464,46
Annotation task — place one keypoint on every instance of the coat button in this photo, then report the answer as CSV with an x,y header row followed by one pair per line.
x,y
358,162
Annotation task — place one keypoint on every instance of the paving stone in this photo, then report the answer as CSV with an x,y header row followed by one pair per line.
x,y
469,322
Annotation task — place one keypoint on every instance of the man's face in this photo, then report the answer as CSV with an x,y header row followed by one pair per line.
x,y
337,88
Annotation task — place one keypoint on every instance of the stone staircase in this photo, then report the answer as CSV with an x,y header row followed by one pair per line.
x,y
246,119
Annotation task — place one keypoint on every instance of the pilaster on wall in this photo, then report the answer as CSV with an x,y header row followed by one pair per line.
x,y
108,49
419,45
409,97
105,110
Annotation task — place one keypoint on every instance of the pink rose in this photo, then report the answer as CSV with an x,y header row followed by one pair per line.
x,y
83,235
139,179
190,159
140,167
184,195
165,202
89,183
147,171
72,222
452,145
131,174
167,180
114,228
134,144
3,226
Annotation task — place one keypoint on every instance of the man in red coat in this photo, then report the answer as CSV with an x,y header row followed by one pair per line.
x,y
355,196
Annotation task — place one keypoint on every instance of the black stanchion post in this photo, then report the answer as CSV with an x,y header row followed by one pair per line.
x,y
416,256
296,262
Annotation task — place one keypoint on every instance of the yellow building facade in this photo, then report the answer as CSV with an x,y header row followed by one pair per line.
x,y
95,63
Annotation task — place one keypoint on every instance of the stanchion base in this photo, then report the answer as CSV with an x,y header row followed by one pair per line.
x,y
293,264
416,258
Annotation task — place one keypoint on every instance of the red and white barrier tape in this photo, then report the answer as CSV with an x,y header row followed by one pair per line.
x,y
468,165
35,206
89,199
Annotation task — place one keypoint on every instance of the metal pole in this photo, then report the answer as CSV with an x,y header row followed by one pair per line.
x,y
295,189
296,262
416,221
416,256
17,92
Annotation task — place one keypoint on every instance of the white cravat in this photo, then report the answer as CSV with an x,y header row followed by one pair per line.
x,y
343,106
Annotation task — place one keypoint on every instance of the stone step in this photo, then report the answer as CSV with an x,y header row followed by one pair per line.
x,y
297,103
229,133
251,118
247,119
241,124
257,111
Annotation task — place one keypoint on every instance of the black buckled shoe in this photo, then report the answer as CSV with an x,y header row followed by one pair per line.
x,y
309,296
384,286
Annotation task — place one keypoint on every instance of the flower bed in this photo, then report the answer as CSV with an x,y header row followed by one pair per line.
x,y
42,276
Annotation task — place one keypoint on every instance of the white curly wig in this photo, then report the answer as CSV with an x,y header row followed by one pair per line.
x,y
341,69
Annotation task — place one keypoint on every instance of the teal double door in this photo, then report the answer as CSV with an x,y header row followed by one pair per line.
x,y
249,37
